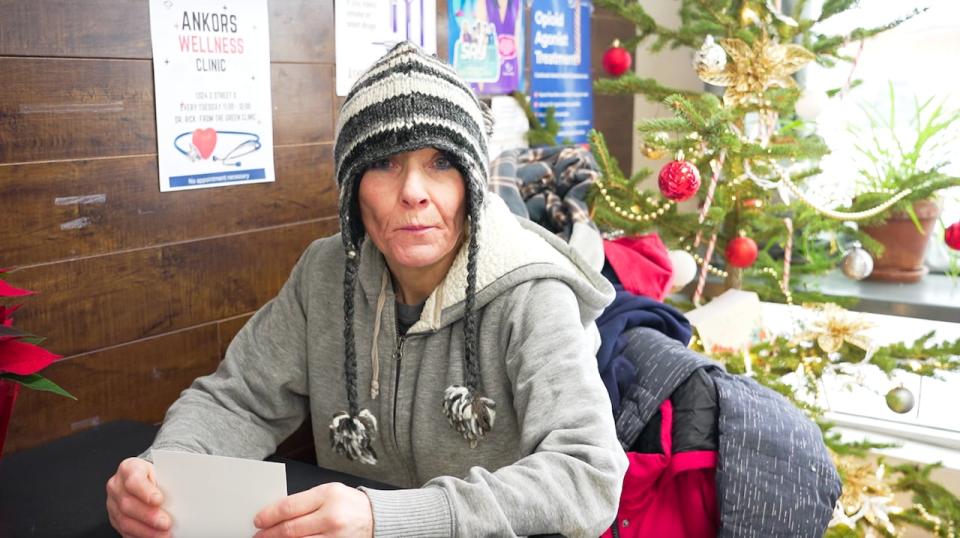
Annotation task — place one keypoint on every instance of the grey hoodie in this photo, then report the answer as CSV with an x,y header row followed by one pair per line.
x,y
552,462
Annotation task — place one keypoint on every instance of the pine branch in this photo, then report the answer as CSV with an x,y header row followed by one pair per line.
x,y
608,164
798,10
936,499
656,125
944,356
646,25
833,7
630,83
544,134
830,45
846,448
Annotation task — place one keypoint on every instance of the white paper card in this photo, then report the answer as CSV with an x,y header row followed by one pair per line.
x,y
213,496
729,321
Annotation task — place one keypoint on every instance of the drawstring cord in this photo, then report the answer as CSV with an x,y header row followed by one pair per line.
x,y
375,353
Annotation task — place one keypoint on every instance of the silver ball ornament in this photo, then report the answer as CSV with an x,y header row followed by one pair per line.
x,y
900,400
710,57
857,264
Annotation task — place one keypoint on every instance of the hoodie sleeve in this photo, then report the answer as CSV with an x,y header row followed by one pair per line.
x,y
571,478
256,397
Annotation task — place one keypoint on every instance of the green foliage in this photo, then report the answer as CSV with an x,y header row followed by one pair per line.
x,y
893,161
936,499
834,7
700,125
782,355
859,449
629,84
841,531
540,134
747,200
890,161
37,382
646,25
931,358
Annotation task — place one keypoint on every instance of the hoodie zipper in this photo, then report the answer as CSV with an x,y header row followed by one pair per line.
x,y
398,356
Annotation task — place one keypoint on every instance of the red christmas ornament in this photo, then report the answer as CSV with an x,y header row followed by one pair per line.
x,y
741,252
952,236
679,180
617,60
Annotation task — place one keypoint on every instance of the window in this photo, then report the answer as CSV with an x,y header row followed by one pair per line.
x,y
918,58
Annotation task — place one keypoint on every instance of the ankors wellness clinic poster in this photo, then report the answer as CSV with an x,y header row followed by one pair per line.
x,y
211,70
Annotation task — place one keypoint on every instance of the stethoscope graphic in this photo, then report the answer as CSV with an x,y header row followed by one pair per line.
x,y
202,144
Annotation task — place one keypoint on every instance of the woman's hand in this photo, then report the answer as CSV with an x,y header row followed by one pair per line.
x,y
330,509
133,501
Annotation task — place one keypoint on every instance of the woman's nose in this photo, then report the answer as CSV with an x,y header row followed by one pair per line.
x,y
414,193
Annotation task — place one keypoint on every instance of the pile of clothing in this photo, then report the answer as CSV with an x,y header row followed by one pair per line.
x,y
711,454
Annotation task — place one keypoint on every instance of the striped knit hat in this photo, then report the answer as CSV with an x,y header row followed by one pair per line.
x,y
406,101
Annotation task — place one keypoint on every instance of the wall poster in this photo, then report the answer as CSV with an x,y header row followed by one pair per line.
x,y
211,70
561,65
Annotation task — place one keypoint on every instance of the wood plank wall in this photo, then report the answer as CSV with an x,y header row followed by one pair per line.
x,y
612,114
141,291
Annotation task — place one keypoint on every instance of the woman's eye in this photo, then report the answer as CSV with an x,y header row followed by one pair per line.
x,y
382,164
442,163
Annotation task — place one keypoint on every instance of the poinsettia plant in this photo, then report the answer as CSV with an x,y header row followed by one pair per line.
x,y
21,356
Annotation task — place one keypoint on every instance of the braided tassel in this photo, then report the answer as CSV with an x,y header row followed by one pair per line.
x,y
352,437
469,413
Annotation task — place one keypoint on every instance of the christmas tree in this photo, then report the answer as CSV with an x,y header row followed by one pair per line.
x,y
744,155
751,151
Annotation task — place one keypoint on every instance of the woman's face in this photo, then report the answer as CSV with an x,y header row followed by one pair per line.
x,y
413,208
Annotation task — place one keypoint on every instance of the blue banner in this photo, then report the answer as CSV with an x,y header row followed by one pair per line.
x,y
197,180
561,65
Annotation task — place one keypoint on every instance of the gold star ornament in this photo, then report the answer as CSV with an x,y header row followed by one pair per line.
x,y
751,70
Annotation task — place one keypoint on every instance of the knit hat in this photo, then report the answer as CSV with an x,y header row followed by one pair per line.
x,y
406,101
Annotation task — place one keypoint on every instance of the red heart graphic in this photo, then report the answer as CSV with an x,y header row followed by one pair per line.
x,y
205,140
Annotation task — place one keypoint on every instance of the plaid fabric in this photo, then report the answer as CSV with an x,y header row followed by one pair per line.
x,y
546,185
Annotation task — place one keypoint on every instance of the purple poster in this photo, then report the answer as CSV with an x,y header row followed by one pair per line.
x,y
486,43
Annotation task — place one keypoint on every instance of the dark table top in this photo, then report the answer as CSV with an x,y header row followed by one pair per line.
x,y
59,489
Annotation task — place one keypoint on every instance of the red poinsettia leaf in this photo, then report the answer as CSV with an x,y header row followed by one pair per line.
x,y
7,311
6,314
22,358
6,290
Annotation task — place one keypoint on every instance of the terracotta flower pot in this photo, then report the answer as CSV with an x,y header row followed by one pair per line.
x,y
904,246
8,395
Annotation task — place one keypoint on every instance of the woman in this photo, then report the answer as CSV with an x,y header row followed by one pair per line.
x,y
464,327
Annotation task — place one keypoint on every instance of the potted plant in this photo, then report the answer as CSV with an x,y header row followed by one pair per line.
x,y
20,359
895,157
